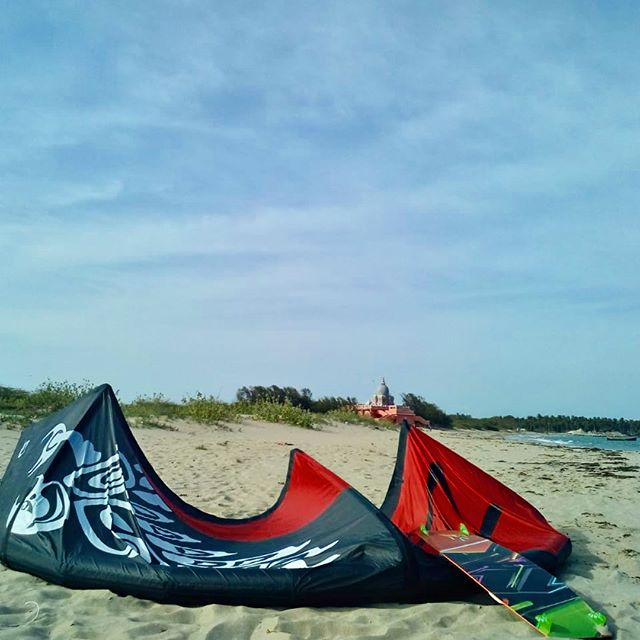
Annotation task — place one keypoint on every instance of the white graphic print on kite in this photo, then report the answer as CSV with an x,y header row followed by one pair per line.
x,y
120,513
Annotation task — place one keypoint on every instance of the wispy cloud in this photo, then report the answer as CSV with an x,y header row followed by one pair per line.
x,y
319,194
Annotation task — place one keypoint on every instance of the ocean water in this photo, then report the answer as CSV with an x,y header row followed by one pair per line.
x,y
575,440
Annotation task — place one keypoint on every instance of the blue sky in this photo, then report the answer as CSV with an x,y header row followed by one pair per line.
x,y
199,196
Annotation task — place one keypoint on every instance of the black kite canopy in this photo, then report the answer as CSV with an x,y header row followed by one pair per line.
x,y
81,506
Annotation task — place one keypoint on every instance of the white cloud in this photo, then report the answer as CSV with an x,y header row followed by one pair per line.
x,y
272,185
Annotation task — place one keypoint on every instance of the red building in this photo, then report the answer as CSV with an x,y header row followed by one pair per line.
x,y
382,407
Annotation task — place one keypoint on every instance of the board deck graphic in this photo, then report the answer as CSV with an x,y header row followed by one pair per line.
x,y
535,595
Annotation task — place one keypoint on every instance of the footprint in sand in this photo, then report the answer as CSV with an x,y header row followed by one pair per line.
x,y
266,630
147,630
12,617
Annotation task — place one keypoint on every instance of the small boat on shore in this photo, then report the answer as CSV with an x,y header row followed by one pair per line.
x,y
622,438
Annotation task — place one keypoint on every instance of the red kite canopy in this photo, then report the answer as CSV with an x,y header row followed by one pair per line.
x,y
81,506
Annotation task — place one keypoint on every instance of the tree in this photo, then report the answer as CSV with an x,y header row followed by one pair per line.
x,y
331,403
426,410
302,398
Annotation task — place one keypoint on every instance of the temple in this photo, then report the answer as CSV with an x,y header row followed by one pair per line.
x,y
382,407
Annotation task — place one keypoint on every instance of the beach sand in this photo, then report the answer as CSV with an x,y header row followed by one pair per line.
x,y
239,470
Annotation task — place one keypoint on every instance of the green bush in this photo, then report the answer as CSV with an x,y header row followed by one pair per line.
x,y
351,417
153,406
426,410
208,409
275,412
12,400
51,396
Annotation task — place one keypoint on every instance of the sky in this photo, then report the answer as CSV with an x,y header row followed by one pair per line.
x,y
196,196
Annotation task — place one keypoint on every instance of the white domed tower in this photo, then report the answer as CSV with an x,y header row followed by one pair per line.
x,y
382,397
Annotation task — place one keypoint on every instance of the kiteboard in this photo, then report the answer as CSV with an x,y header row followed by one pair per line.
x,y
532,593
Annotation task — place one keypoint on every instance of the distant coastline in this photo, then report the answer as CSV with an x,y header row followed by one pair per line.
x,y
560,424
18,407
577,441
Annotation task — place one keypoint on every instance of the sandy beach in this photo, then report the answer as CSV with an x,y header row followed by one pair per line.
x,y
239,469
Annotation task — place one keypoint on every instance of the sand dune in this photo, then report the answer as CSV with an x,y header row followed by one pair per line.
x,y
239,470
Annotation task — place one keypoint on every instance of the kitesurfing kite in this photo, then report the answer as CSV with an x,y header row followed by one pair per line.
x,y
81,506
